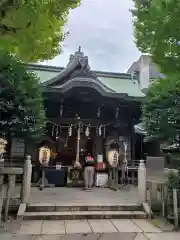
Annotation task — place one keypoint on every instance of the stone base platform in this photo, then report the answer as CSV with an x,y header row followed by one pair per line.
x,y
84,215
74,203
81,211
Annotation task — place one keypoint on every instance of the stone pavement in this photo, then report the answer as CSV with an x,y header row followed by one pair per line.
x,y
63,195
104,229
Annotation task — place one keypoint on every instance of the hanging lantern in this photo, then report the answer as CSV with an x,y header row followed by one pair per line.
x,y
61,110
70,131
99,112
87,132
100,131
44,155
117,113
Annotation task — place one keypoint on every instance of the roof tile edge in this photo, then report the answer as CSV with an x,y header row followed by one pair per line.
x,y
59,69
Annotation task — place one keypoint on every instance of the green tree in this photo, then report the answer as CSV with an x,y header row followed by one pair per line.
x,y
21,104
156,31
161,109
33,29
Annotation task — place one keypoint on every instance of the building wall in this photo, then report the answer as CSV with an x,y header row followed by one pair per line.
x,y
147,71
144,72
17,148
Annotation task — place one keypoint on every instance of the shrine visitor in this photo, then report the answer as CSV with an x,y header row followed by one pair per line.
x,y
89,172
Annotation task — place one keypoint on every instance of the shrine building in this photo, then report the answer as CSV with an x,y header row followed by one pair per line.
x,y
89,111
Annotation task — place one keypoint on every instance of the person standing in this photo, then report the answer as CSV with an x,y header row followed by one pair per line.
x,y
89,172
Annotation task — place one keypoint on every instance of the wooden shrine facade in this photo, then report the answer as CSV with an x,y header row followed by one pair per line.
x,y
86,115
87,112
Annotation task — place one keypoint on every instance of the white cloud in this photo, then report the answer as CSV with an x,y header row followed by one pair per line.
x,y
103,28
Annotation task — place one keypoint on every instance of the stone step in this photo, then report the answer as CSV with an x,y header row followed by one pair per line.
x,y
45,207
68,215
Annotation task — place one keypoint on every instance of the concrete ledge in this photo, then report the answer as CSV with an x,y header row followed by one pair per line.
x,y
167,171
68,215
21,211
14,204
49,207
11,170
147,209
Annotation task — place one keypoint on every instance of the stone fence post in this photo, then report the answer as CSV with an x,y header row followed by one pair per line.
x,y
26,183
2,193
175,206
142,181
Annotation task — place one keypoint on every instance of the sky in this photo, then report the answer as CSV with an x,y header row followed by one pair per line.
x,y
103,29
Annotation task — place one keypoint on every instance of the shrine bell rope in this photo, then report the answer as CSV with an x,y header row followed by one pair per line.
x,y
56,128
84,125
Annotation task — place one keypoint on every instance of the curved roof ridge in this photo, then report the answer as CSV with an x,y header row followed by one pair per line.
x,y
81,79
48,68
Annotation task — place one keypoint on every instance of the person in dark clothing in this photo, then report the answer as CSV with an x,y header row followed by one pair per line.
x,y
89,172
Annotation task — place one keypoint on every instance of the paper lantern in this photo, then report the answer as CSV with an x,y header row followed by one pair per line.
x,y
113,158
44,155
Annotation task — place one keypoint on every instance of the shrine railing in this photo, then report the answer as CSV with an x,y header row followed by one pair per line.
x,y
132,172
18,162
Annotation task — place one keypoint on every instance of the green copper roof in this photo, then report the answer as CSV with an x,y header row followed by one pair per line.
x,y
117,82
45,75
122,86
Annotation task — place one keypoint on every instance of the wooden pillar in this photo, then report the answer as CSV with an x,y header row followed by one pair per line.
x,y
99,146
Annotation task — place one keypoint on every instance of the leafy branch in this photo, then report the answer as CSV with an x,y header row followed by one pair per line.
x,y
28,25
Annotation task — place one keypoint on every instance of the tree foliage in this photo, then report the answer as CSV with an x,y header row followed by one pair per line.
x,y
33,29
156,30
161,109
21,103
